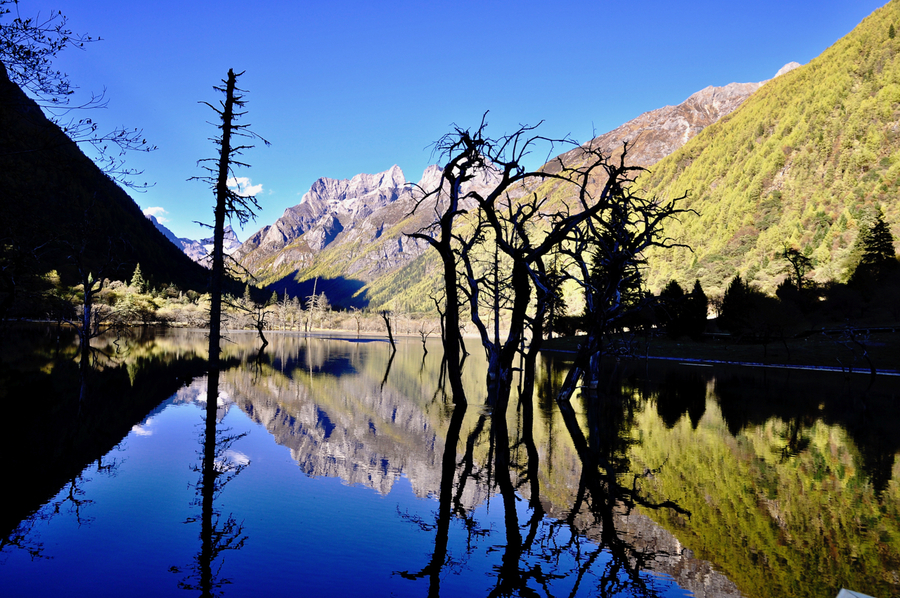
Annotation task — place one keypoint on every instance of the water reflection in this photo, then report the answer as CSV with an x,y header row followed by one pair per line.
x,y
724,482
219,465
64,417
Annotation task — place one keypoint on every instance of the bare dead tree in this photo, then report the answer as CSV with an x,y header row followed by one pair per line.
x,y
357,315
606,258
493,237
386,316
229,202
424,333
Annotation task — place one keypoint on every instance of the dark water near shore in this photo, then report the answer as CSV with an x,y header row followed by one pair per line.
x,y
333,468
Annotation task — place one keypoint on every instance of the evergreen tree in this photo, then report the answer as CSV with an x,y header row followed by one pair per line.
x,y
556,302
735,304
671,309
137,279
878,244
878,254
695,311
800,265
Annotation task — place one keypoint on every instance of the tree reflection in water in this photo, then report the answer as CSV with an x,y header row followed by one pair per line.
x,y
538,551
218,533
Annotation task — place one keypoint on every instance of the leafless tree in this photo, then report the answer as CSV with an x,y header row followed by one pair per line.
x,y
606,258
493,237
229,202
387,316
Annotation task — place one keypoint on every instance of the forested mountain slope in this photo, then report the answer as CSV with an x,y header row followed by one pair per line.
x,y
61,212
802,163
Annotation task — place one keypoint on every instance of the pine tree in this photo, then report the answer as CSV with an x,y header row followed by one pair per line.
x,y
878,254
878,244
672,300
696,310
137,279
735,304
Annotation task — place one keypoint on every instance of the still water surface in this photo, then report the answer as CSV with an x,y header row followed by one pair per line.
x,y
330,477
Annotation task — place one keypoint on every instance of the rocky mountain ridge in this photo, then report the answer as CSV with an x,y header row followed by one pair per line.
x,y
352,230
655,134
199,251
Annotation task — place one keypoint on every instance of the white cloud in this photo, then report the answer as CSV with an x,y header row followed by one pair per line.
x,y
243,186
143,429
158,212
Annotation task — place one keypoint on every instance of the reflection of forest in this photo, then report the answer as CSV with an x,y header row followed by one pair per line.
x,y
63,415
790,477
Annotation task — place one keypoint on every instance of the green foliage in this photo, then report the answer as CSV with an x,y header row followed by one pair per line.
x,y
878,259
795,164
767,522
137,280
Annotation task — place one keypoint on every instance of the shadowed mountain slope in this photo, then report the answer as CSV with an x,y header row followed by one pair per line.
x,y
59,208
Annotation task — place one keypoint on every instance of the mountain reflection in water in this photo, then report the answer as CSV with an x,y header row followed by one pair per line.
x,y
140,475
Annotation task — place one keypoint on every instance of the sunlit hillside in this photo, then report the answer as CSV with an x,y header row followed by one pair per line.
x,y
803,162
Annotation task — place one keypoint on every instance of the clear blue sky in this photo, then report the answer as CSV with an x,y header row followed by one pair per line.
x,y
344,87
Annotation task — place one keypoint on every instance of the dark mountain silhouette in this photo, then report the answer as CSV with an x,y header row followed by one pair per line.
x,y
59,209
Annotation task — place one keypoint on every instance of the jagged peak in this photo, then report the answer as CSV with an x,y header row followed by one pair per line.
x,y
392,177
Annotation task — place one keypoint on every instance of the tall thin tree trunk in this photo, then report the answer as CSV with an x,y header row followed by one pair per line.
x,y
218,266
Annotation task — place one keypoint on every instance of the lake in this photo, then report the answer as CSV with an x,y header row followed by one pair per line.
x,y
332,466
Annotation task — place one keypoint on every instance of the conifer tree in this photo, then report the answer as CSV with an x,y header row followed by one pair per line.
x,y
696,311
137,279
878,254
878,244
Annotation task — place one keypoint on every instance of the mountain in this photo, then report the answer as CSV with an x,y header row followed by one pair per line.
x,y
343,235
61,212
165,231
803,160
655,134
198,250
804,163
349,232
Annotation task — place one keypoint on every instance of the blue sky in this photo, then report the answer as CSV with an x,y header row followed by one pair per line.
x,y
344,87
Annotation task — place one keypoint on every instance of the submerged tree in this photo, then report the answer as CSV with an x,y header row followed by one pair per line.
x,y
616,236
229,202
495,225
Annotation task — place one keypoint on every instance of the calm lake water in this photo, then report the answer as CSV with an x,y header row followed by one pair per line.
x,y
332,468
